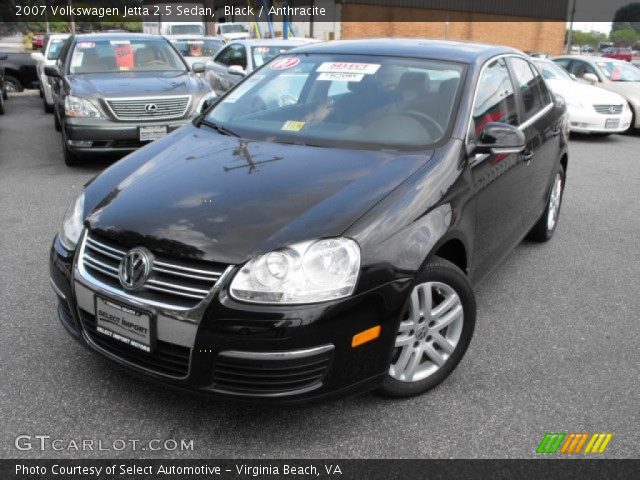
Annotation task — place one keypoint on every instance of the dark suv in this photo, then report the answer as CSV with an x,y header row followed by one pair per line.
x,y
318,231
117,92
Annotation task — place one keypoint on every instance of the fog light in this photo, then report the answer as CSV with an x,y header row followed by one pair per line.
x,y
79,143
365,336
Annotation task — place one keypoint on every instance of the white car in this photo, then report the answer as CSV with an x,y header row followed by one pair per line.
x,y
48,56
196,48
591,109
231,31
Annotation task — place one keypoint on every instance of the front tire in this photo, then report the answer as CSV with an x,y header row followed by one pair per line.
x,y
546,225
71,158
12,84
434,332
47,108
56,121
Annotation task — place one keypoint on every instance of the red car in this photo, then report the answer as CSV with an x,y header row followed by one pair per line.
x,y
37,41
625,54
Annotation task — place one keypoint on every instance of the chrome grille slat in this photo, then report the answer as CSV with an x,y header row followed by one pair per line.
x,y
170,282
134,108
608,109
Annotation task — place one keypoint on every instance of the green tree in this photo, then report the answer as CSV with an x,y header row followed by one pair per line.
x,y
626,37
588,38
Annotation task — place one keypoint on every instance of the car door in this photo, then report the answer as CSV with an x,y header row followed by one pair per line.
x,y
57,84
499,180
542,129
219,77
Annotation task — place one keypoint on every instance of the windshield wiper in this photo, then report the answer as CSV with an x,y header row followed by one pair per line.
x,y
216,127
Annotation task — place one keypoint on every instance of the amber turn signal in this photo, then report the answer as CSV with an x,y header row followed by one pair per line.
x,y
366,336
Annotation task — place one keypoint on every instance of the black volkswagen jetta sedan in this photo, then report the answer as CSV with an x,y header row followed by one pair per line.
x,y
318,231
115,92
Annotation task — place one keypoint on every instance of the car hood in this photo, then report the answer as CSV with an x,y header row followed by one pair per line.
x,y
198,194
584,93
629,90
132,84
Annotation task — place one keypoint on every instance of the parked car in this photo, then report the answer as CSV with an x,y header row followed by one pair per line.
x,y
49,56
231,31
615,75
591,109
618,53
3,88
20,72
320,248
537,54
196,49
241,57
38,40
117,92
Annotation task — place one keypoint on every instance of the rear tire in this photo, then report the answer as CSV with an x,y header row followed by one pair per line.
x,y
12,84
47,108
434,332
546,225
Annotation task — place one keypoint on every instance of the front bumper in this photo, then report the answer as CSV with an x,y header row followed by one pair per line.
x,y
109,136
246,352
586,122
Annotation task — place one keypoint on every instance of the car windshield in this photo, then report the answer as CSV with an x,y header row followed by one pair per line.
x,y
103,56
232,28
551,71
187,29
355,101
263,54
619,71
197,47
55,45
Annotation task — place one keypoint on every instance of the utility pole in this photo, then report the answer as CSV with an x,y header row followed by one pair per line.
x,y
73,21
210,23
570,34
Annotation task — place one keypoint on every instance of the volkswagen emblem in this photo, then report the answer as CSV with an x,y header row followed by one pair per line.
x,y
612,109
150,107
135,268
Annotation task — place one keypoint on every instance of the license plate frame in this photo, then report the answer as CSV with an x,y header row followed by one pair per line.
x,y
149,133
612,123
127,334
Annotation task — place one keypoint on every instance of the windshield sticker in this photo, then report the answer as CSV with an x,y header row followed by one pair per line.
x,y
83,45
342,77
346,67
285,63
292,126
76,59
119,42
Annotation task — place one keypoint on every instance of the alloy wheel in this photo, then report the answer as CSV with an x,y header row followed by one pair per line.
x,y
429,332
554,202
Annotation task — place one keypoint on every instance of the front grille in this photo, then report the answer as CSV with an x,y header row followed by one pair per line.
x,y
160,108
270,374
172,283
608,109
166,358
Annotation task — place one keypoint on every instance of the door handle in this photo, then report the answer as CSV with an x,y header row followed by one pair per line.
x,y
527,155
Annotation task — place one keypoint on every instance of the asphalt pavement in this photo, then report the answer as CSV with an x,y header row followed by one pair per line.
x,y
555,349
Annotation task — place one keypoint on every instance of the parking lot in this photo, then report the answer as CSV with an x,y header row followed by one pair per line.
x,y
555,350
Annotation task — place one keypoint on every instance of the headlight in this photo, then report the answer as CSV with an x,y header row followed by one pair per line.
x,y
203,101
626,107
573,104
72,224
305,272
79,107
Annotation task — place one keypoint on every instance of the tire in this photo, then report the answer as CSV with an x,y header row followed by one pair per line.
x,y
71,158
5,94
1,104
12,84
46,107
41,92
544,229
416,340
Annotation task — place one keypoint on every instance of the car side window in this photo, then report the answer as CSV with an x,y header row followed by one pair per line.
x,y
495,99
233,54
533,91
580,68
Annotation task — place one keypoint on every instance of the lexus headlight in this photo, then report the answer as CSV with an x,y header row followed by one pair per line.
x,y
79,107
306,272
205,101
72,224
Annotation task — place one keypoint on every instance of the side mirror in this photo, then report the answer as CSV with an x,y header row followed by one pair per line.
x,y
590,78
236,70
198,67
51,71
498,137
38,56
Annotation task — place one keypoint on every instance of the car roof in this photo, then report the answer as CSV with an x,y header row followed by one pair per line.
x,y
116,36
464,52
